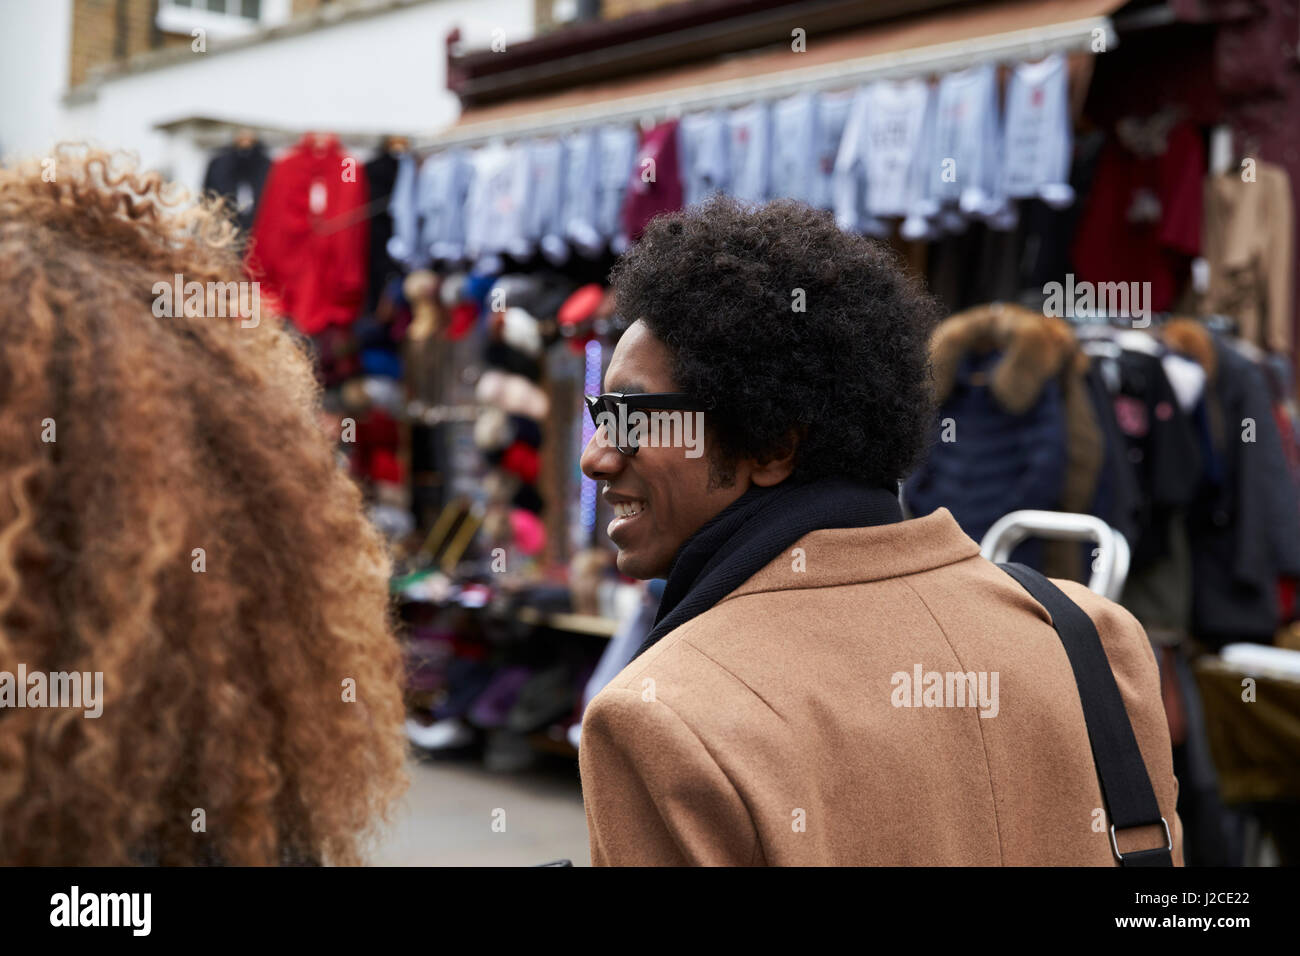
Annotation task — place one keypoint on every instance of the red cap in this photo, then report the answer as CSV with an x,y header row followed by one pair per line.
x,y
582,305
522,459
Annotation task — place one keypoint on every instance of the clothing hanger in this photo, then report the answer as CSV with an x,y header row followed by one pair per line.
x,y
1138,340
1100,347
1089,321
1249,150
1092,329
1220,323
319,141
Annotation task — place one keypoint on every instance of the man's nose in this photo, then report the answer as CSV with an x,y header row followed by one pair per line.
x,y
600,460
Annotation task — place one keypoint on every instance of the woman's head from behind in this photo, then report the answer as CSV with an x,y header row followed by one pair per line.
x,y
173,518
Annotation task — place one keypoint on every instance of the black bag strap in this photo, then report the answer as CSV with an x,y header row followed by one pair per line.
x,y
1125,786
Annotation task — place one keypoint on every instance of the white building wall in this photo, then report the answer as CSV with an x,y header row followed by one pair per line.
x,y
375,74
35,36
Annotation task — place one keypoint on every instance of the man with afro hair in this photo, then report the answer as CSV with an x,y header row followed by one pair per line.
x,y
826,683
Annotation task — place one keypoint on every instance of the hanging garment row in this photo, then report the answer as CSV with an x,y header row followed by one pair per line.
x,y
984,181
935,156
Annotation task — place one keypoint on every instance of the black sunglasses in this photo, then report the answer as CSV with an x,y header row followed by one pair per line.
x,y
610,402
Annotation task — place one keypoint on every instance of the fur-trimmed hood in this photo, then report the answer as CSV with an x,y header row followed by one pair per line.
x,y
1035,349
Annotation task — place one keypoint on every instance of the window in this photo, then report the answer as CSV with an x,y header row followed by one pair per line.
x,y
222,17
248,9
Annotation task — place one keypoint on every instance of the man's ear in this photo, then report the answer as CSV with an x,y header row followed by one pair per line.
x,y
779,467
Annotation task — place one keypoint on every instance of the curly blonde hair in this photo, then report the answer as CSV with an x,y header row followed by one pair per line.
x,y
127,443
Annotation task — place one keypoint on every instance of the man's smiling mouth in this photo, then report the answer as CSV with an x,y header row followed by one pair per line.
x,y
627,509
625,512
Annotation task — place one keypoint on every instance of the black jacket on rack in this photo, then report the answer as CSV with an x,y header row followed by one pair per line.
x,y
239,175
1118,497
381,173
1244,528
1162,449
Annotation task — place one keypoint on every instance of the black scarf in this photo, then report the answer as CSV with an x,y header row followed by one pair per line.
x,y
745,536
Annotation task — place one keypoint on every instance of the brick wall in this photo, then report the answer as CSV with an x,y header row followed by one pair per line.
x,y
102,31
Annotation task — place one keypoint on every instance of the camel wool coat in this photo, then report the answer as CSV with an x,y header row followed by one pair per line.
x,y
785,726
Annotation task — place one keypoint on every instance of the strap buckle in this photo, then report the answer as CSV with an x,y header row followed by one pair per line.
x,y
1169,840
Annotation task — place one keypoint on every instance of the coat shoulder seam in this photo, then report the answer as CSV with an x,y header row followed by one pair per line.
x,y
997,823
741,681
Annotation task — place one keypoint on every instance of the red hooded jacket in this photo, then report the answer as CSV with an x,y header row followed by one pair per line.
x,y
310,241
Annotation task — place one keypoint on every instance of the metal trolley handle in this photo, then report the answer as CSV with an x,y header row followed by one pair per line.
x,y
1110,563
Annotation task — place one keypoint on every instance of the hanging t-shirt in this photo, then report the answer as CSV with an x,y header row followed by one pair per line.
x,y
441,192
495,205
749,151
964,167
849,179
402,207
806,132
832,115
654,184
1037,141
882,165
900,118
582,171
617,148
544,206
703,145
794,147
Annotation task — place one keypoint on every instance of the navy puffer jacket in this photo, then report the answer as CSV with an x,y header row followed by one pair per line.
x,y
999,441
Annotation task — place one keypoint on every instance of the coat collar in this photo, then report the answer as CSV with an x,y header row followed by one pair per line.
x,y
835,556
